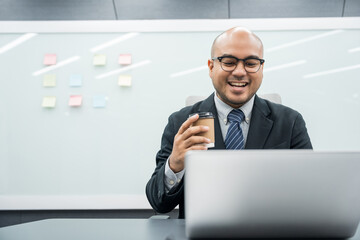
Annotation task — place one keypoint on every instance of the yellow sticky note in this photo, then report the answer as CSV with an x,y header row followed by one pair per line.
x,y
75,100
99,60
50,59
124,80
49,80
49,102
125,59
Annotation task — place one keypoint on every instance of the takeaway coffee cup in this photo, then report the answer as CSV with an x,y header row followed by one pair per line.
x,y
206,119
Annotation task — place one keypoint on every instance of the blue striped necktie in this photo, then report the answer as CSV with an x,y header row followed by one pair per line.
x,y
234,136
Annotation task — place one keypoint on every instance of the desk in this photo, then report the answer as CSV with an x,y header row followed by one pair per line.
x,y
108,229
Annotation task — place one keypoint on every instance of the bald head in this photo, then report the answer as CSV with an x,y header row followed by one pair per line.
x,y
236,32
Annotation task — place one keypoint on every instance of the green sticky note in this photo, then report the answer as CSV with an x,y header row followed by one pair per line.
x,y
125,80
49,102
99,60
49,80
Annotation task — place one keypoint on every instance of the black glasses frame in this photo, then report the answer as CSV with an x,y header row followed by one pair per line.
x,y
237,62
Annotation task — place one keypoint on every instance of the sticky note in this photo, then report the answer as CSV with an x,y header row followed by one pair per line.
x,y
75,100
75,80
99,101
125,59
50,59
49,102
125,80
49,80
99,60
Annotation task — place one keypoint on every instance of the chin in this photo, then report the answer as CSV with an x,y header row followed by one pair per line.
x,y
238,101
236,104
234,101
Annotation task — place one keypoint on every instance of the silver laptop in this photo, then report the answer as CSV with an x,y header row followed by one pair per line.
x,y
272,194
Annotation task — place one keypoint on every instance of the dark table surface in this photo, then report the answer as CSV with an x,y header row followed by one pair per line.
x,y
107,229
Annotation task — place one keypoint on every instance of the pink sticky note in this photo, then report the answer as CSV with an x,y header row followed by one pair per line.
x,y
50,59
75,100
125,59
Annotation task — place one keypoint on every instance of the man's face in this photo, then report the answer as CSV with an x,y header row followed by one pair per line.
x,y
229,85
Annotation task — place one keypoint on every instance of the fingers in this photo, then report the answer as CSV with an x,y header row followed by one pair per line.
x,y
194,131
187,139
187,134
176,160
188,123
195,140
198,147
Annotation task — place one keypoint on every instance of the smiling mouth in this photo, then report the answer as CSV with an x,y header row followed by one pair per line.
x,y
238,84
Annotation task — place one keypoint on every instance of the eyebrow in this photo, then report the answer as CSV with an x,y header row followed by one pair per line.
x,y
251,56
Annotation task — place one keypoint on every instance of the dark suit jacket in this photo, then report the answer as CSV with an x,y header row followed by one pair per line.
x,y
272,126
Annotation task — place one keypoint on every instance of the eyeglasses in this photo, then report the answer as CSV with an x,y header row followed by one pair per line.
x,y
229,63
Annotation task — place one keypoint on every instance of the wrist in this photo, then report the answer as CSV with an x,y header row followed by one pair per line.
x,y
175,167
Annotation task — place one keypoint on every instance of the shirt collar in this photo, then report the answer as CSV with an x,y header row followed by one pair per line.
x,y
223,109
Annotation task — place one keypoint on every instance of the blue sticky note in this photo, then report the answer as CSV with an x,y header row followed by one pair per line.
x,y
75,80
99,101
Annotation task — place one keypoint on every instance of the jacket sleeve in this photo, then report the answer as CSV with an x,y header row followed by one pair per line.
x,y
161,201
300,138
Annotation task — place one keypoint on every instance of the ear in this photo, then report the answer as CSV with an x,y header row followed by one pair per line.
x,y
211,66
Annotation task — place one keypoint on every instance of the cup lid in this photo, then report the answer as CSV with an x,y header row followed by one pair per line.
x,y
203,114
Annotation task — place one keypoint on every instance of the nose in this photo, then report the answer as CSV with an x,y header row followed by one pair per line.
x,y
240,69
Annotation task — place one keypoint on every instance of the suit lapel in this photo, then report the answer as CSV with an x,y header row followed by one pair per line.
x,y
208,105
260,125
219,141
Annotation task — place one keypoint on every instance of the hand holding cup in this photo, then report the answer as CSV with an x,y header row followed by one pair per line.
x,y
191,136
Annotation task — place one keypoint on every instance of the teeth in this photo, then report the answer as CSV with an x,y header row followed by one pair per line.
x,y
238,84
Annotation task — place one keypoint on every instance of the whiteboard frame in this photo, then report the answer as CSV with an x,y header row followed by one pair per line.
x,y
188,25
64,202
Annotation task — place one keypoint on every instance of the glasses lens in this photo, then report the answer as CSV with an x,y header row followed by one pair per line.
x,y
228,64
252,65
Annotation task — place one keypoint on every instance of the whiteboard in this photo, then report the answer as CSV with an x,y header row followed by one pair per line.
x,y
86,157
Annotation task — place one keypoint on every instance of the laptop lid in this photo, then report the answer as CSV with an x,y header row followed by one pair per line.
x,y
272,193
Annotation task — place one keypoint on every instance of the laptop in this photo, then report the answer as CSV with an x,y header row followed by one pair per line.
x,y
272,194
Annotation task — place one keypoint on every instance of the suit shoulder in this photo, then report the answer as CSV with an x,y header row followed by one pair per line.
x,y
281,108
183,114
277,110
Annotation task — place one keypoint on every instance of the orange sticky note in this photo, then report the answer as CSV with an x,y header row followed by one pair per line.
x,y
50,59
125,59
75,100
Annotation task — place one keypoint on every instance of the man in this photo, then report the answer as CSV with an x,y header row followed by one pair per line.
x,y
236,69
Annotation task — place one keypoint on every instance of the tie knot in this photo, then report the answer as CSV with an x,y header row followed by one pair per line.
x,y
236,115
